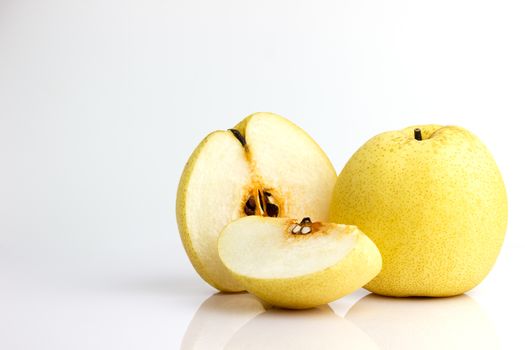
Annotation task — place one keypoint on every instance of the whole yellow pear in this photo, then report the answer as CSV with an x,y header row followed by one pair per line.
x,y
433,201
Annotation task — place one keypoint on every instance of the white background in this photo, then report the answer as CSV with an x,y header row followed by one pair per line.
x,y
102,102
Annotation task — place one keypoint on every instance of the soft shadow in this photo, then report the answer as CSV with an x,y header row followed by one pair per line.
x,y
242,321
424,323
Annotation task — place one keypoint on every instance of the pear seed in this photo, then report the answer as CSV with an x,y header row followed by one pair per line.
x,y
305,230
250,206
272,210
306,220
296,229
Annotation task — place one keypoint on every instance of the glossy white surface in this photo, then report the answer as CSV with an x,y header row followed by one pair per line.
x,y
136,309
102,102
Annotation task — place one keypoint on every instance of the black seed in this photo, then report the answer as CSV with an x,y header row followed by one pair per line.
x,y
268,199
272,210
239,136
305,221
249,207
251,203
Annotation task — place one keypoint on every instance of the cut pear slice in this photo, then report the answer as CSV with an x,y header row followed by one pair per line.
x,y
295,264
265,166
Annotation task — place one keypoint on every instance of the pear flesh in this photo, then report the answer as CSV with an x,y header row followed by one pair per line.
x,y
298,265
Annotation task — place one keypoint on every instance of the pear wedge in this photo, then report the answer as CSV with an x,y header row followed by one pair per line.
x,y
298,265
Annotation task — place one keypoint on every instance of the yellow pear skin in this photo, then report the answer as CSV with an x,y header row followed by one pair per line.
x,y
433,201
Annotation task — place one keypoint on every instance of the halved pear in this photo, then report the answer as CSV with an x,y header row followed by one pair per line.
x,y
265,166
295,264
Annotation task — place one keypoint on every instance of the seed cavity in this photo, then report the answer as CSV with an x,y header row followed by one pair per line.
x,y
303,228
261,203
239,136
272,209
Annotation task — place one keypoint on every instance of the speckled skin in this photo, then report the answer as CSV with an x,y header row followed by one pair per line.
x,y
436,209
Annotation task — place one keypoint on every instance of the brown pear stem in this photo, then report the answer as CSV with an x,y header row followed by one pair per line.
x,y
417,134
238,136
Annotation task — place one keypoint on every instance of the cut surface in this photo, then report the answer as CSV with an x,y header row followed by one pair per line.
x,y
265,166
212,195
298,264
271,250
290,164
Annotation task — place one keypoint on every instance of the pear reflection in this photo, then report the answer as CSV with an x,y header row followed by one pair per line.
x,y
424,323
318,328
218,318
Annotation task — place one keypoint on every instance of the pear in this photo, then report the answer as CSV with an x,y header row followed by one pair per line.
x,y
433,201
264,166
298,265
